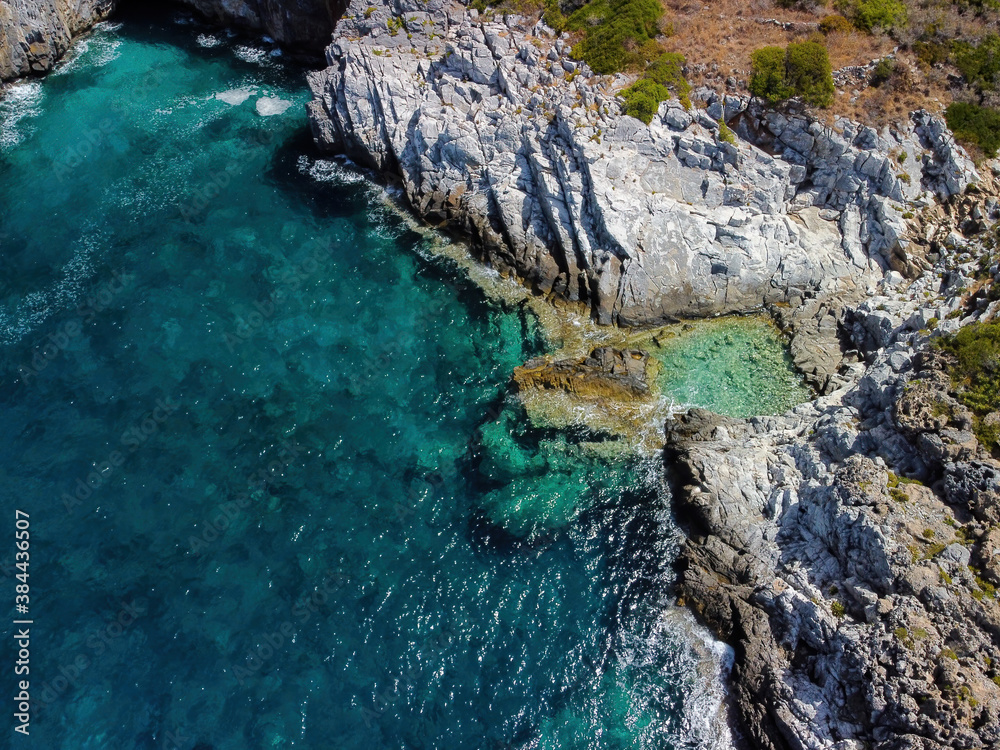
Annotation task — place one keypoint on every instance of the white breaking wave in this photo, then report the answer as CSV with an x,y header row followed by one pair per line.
x,y
19,103
268,106
330,170
235,97
208,41
37,307
252,55
96,49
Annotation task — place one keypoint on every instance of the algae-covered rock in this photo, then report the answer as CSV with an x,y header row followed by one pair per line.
x,y
605,373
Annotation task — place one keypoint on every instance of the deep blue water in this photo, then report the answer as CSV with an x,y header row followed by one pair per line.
x,y
278,496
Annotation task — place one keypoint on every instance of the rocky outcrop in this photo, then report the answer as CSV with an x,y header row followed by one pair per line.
x,y
35,34
606,373
849,549
493,131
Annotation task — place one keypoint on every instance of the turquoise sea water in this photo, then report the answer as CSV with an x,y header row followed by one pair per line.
x,y
277,495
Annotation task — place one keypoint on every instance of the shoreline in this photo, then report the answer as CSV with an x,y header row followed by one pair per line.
x,y
764,578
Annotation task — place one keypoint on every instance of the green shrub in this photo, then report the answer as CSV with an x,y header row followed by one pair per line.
x,y
767,79
613,28
809,74
976,125
882,72
725,134
838,610
663,77
835,24
931,52
668,70
976,375
869,15
643,98
799,70
949,654
553,16
979,64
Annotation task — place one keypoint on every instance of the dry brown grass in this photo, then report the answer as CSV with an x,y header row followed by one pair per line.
x,y
718,37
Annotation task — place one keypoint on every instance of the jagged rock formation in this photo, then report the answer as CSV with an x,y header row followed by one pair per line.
x,y
605,373
495,132
846,589
34,34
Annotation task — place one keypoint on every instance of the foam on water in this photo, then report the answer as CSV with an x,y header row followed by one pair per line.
x,y
254,55
268,106
19,103
235,97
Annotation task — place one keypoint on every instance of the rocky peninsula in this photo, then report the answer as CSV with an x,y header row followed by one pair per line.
x,y
848,550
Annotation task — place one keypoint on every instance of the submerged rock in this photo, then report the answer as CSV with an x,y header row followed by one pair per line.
x,y
605,373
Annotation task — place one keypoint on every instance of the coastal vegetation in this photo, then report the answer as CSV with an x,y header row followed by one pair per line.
x,y
912,54
664,77
801,70
976,375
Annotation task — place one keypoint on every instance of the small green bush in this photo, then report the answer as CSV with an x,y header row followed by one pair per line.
x,y
799,70
663,77
809,74
869,15
553,16
976,125
767,79
979,64
838,610
725,134
613,29
976,375
949,654
835,24
882,71
931,52
643,98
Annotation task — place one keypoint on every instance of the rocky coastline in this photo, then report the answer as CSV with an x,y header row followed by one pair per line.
x,y
819,541
844,549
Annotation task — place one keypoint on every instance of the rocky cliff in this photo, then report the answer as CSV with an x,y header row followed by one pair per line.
x,y
34,34
850,550
494,132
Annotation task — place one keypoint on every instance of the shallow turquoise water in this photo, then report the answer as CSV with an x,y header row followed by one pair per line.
x,y
739,367
255,424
